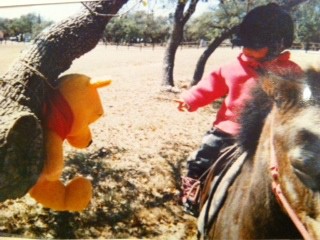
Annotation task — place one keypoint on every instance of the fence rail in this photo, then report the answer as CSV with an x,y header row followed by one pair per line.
x,y
304,46
313,46
201,44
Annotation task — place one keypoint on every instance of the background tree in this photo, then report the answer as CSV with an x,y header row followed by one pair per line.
x,y
24,87
200,28
156,29
137,27
307,22
224,23
26,24
38,26
180,18
115,31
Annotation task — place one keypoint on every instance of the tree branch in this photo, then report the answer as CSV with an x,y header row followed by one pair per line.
x,y
190,10
291,4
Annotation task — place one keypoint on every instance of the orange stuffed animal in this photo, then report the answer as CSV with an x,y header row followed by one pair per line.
x,y
69,111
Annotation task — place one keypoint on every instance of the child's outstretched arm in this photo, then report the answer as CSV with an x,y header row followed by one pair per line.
x,y
182,106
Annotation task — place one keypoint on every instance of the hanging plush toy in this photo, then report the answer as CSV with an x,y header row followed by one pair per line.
x,y
69,111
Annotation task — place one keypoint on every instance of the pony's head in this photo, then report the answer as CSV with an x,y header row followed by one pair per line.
x,y
296,120
295,100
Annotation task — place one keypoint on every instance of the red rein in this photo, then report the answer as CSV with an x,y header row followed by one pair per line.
x,y
274,169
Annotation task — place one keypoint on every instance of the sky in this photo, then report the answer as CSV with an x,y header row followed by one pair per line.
x,y
56,12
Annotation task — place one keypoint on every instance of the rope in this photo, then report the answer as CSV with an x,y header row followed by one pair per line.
x,y
228,157
102,15
276,187
38,73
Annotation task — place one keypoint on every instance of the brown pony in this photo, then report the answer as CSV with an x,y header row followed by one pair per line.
x,y
281,124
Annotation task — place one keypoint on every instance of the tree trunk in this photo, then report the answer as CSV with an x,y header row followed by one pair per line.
x,y
23,90
198,73
175,39
170,53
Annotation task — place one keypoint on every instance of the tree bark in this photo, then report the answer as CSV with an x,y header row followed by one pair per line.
x,y
170,53
23,90
175,39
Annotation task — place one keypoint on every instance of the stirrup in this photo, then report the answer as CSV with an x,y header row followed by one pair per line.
x,y
191,190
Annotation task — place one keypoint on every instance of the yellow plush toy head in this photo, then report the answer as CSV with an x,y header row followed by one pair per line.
x,y
68,113
80,91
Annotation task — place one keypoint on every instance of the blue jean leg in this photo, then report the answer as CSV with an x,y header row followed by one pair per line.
x,y
212,143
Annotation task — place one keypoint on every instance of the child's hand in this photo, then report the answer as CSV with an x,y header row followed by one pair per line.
x,y
182,106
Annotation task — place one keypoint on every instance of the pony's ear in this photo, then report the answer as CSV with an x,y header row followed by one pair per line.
x,y
98,83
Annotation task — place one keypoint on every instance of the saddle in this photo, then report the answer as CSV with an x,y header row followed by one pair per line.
x,y
220,177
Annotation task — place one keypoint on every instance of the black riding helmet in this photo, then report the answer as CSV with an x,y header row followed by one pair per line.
x,y
266,26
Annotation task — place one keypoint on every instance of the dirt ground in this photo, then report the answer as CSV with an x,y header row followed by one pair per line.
x,y
139,151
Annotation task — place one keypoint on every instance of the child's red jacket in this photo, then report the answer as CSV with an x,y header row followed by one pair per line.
x,y
233,81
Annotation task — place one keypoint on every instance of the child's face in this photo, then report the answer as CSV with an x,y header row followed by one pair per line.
x,y
257,54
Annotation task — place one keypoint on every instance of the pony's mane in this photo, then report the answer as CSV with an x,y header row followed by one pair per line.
x,y
252,120
256,110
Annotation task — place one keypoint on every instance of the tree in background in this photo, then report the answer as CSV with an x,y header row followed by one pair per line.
x,y
26,24
307,22
115,30
199,28
224,21
38,26
137,27
180,18
156,30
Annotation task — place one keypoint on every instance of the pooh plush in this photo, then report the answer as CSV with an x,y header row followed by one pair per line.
x,y
68,112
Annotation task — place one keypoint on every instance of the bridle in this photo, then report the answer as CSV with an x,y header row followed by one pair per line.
x,y
276,187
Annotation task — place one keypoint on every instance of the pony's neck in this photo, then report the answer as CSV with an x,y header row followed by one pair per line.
x,y
267,213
